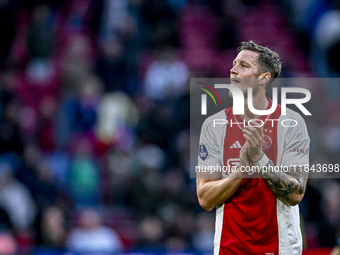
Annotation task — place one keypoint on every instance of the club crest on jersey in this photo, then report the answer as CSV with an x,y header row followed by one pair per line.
x,y
203,152
267,142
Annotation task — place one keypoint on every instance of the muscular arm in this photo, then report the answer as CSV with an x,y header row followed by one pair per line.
x,y
212,190
288,186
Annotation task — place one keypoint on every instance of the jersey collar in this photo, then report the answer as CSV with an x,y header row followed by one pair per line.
x,y
264,118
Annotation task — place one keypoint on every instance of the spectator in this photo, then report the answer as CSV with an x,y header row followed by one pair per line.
x,y
79,105
117,114
166,77
325,39
111,66
83,177
52,228
10,136
150,234
45,189
40,35
92,236
146,191
8,245
16,200
203,237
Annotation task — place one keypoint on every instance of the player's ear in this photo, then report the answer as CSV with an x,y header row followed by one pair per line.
x,y
264,78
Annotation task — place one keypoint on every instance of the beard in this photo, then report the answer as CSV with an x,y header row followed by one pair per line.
x,y
255,87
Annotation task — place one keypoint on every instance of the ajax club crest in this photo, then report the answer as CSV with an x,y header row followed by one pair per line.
x,y
267,142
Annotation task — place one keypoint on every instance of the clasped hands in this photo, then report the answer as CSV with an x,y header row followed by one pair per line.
x,y
251,151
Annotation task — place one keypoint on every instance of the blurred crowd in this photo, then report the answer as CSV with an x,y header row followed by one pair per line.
x,y
95,116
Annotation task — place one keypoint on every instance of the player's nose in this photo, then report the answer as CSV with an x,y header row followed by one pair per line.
x,y
234,70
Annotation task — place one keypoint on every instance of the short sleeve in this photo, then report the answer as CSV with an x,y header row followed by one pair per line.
x,y
208,152
296,147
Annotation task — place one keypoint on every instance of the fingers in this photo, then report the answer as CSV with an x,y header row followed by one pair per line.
x,y
253,134
243,155
244,149
254,123
250,138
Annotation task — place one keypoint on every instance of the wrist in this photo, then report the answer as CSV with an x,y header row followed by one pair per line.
x,y
241,172
262,161
257,158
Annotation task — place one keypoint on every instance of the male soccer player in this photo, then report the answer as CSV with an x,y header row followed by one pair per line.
x,y
259,214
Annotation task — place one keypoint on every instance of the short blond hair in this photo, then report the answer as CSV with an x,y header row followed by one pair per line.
x,y
268,60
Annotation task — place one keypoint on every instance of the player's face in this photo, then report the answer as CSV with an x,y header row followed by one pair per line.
x,y
244,72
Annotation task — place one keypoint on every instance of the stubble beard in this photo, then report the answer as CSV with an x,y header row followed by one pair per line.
x,y
255,87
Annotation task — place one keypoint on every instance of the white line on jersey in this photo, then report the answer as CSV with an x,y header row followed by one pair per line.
x,y
236,145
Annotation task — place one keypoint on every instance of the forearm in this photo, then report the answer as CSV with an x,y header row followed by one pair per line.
x,y
211,193
288,186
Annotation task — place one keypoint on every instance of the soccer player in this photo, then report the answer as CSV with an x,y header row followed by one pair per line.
x,y
256,212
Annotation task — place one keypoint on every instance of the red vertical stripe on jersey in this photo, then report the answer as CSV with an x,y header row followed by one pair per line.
x,y
250,218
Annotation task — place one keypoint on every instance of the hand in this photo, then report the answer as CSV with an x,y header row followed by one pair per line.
x,y
254,137
244,159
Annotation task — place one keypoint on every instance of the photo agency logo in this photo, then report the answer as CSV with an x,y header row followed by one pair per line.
x,y
239,100
204,97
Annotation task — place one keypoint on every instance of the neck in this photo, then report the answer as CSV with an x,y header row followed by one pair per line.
x,y
260,102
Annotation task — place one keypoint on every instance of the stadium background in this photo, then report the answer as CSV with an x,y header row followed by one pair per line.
x,y
94,113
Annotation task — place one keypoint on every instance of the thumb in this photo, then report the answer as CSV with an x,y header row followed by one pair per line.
x,y
244,148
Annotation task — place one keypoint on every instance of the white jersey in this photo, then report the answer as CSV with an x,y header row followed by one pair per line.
x,y
253,220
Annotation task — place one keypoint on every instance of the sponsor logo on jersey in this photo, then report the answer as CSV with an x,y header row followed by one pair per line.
x,y
267,142
203,152
233,162
302,150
